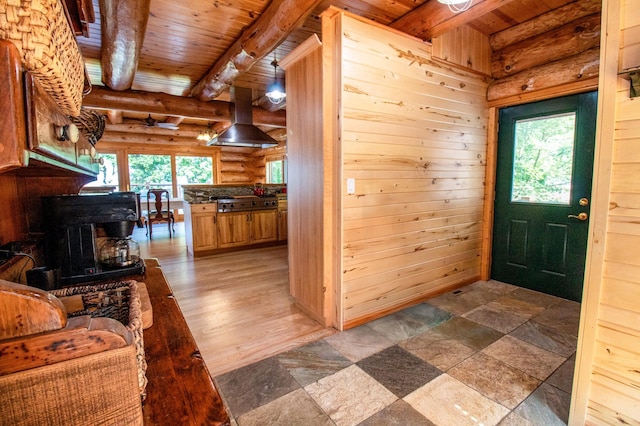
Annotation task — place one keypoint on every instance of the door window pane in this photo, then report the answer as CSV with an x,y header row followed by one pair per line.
x,y
543,159
193,170
149,171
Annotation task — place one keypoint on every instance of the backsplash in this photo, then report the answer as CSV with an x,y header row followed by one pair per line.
x,y
201,193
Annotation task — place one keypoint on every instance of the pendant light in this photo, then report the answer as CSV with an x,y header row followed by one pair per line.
x,y
275,92
457,6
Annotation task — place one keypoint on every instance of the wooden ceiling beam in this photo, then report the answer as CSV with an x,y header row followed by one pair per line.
x,y
162,103
265,34
433,19
123,25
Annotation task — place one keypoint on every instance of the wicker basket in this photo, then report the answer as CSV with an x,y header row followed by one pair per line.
x,y
48,48
117,300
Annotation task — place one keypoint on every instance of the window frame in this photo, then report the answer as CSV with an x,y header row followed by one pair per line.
x,y
122,156
273,158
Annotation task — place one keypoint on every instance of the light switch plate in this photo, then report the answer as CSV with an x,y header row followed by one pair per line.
x,y
351,186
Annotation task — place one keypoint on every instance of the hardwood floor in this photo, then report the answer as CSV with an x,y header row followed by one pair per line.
x,y
237,304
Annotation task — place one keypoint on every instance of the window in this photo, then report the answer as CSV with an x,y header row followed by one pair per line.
x,y
190,169
276,169
107,174
149,171
164,170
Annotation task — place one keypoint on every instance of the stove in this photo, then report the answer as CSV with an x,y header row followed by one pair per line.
x,y
248,203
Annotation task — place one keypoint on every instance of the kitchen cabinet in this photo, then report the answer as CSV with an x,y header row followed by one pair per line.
x,y
282,219
200,222
264,226
244,228
234,229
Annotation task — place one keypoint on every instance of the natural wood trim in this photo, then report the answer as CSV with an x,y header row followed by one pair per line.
x,y
123,25
274,25
489,194
332,159
309,45
331,11
594,269
547,93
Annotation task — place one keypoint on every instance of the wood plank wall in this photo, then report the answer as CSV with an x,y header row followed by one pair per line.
x,y
614,388
414,140
464,46
305,189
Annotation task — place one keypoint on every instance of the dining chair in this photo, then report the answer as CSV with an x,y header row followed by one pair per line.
x,y
156,212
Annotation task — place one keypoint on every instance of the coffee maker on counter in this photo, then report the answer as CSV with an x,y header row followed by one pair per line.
x,y
88,237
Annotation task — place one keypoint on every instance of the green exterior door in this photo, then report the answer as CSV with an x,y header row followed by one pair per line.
x,y
543,192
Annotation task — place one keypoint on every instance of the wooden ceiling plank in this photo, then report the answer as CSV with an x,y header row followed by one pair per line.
x,y
162,103
433,18
265,34
124,24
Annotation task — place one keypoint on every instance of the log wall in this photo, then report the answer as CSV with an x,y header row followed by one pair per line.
x,y
555,50
414,141
237,166
609,351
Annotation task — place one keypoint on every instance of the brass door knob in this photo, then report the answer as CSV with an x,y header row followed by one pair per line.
x,y
580,216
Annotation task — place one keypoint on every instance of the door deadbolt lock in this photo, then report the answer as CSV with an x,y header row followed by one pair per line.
x,y
581,216
583,202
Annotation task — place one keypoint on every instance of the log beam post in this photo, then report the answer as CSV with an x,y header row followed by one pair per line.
x,y
123,24
165,104
279,19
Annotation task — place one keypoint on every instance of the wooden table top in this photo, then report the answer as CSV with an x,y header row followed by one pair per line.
x,y
180,389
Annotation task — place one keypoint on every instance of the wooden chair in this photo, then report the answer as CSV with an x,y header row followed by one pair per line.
x,y
156,212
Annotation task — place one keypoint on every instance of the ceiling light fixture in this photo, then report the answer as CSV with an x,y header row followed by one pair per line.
x,y
275,92
207,135
457,6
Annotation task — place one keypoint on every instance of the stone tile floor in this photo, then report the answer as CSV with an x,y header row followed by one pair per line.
x,y
489,353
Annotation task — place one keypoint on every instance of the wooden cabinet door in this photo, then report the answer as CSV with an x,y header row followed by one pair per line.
x,y
205,234
264,226
282,225
234,229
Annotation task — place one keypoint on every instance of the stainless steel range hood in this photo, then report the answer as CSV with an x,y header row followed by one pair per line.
x,y
243,133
